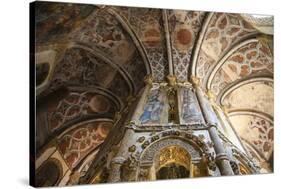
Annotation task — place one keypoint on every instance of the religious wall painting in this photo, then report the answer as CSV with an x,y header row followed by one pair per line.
x,y
153,107
190,110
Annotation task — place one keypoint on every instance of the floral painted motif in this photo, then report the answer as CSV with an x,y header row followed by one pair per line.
x,y
184,27
223,31
76,105
250,59
77,143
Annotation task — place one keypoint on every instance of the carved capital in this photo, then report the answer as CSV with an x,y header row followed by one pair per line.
x,y
118,160
195,81
210,95
148,79
130,99
117,116
172,80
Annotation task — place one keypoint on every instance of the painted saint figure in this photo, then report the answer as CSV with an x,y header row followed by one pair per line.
x,y
153,108
190,109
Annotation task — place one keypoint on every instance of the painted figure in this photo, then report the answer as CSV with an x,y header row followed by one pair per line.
x,y
190,111
153,108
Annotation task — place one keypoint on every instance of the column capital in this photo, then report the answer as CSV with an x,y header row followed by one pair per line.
x,y
118,160
117,116
195,81
210,94
148,79
130,99
172,80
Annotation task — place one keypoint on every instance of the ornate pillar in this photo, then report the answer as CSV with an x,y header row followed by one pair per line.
x,y
115,169
212,121
122,154
228,128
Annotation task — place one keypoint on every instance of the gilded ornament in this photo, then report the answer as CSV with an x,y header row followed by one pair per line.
x,y
141,139
132,148
195,81
148,79
172,80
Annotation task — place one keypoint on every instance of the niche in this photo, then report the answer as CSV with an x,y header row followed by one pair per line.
x,y
173,162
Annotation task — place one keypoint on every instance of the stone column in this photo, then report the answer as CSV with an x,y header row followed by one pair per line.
x,y
122,154
115,169
228,128
212,121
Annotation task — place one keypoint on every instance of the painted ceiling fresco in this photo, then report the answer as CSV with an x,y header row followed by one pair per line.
x,y
256,132
78,142
221,33
252,58
184,27
54,21
148,26
103,53
262,100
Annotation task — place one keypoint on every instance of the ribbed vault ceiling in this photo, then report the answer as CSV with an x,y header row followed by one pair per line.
x,y
106,52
